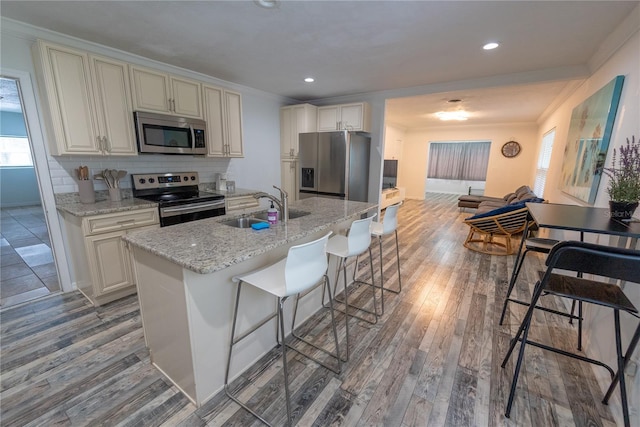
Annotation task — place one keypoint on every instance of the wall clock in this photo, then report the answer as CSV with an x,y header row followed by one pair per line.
x,y
511,149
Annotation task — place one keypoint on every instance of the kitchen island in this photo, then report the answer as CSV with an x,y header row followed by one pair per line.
x,y
184,278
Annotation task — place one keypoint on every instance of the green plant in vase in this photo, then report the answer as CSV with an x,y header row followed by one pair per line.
x,y
624,180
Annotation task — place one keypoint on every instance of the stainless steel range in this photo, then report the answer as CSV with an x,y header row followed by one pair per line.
x,y
178,196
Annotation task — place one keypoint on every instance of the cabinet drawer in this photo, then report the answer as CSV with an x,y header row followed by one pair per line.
x,y
119,221
242,202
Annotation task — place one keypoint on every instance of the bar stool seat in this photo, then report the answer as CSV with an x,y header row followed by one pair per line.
x,y
357,241
531,244
543,246
304,268
388,226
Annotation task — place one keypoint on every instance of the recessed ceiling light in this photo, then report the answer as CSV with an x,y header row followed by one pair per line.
x,y
490,46
452,115
267,4
309,79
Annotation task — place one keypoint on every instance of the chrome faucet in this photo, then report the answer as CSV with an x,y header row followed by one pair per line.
x,y
283,202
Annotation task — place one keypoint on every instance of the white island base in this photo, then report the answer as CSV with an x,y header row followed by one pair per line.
x,y
187,316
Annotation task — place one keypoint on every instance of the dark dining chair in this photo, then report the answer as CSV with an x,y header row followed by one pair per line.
x,y
606,262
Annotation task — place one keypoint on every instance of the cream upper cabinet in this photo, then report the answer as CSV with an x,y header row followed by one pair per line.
x,y
114,109
86,101
356,117
164,93
294,120
223,114
393,149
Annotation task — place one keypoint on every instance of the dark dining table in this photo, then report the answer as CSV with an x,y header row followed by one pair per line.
x,y
583,219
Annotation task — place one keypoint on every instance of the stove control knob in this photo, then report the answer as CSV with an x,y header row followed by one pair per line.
x,y
142,180
193,177
185,178
151,180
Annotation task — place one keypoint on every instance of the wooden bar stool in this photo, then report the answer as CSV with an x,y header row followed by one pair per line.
x,y
357,241
388,225
304,268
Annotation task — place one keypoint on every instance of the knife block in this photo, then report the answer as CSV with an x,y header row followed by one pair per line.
x,y
86,191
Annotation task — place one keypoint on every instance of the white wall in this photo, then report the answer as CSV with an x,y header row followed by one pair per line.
x,y
503,176
599,325
259,169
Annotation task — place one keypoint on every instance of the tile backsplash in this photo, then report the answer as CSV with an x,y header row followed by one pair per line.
x,y
62,169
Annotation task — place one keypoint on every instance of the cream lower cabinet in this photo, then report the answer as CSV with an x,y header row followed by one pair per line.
x,y
289,178
102,262
86,101
241,202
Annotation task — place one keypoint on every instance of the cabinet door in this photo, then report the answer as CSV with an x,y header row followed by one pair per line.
x,y
328,118
185,97
351,117
150,90
67,83
289,177
287,132
113,106
213,111
110,262
233,121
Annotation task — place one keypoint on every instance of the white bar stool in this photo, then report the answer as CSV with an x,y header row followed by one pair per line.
x,y
357,241
303,269
388,225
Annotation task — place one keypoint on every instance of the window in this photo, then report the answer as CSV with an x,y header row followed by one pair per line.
x,y
15,151
459,160
544,159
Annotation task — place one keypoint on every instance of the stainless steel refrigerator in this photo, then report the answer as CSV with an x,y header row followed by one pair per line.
x,y
334,164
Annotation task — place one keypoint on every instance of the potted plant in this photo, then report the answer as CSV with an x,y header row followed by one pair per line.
x,y
624,183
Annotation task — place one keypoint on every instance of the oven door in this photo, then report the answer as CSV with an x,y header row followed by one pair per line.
x,y
158,133
177,214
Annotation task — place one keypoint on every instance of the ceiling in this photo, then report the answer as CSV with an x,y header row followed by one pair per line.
x,y
353,47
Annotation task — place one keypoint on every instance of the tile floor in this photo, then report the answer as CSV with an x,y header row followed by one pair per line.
x,y
27,269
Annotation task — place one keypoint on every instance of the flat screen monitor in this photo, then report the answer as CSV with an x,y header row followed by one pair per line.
x,y
390,174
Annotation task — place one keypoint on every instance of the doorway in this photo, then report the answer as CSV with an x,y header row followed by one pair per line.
x,y
28,266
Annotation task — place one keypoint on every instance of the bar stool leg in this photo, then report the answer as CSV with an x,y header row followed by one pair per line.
x,y
514,277
326,287
627,356
620,359
346,305
398,263
524,331
231,344
284,360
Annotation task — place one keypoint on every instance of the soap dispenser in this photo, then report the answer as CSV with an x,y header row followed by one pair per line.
x,y
272,215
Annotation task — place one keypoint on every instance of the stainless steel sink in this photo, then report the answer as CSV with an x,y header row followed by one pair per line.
x,y
243,222
292,215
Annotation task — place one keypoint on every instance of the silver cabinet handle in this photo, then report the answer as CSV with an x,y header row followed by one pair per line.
x,y
106,145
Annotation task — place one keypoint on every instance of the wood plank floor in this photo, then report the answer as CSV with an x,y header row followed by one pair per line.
x,y
433,359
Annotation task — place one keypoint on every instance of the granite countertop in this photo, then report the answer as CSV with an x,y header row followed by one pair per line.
x,y
70,203
238,192
206,246
104,206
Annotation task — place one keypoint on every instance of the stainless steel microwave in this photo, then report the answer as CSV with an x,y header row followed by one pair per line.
x,y
160,133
